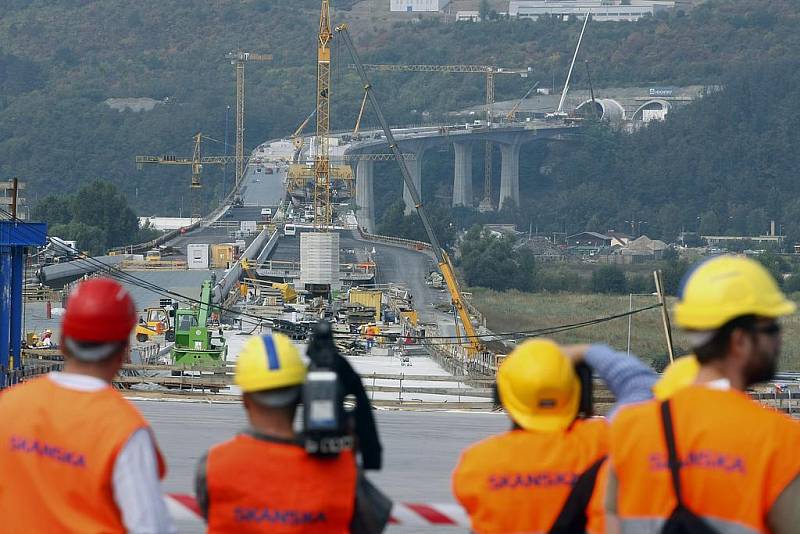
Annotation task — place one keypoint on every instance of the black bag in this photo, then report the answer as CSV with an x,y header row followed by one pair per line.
x,y
572,518
681,520
372,509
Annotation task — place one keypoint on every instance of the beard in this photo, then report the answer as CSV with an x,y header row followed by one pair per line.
x,y
762,367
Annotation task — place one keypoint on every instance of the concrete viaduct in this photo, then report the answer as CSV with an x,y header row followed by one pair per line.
x,y
510,139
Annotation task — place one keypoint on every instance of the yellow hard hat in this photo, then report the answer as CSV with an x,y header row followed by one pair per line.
x,y
269,362
724,288
679,374
538,386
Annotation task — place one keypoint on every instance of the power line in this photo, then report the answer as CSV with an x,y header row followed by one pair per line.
x,y
438,340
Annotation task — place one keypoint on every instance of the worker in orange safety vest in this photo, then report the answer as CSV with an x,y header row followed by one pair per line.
x,y
263,480
540,476
709,459
76,456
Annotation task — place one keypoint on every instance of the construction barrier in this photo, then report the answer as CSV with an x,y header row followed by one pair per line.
x,y
184,508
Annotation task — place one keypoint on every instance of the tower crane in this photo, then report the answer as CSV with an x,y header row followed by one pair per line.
x,y
475,346
490,71
196,161
323,209
238,59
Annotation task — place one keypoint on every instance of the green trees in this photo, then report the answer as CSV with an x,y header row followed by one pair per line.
x,y
97,217
491,261
609,279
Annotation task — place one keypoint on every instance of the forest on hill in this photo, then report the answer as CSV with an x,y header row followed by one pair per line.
x,y
61,61
726,164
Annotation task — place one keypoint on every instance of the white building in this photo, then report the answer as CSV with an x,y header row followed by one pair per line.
x,y
412,6
601,10
468,16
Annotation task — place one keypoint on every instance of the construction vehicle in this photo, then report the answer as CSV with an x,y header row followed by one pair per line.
x,y
297,137
155,322
512,114
196,343
152,256
559,113
474,346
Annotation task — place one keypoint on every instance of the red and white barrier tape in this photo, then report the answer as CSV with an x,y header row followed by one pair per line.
x,y
184,508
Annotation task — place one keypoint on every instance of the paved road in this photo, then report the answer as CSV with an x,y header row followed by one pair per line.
x,y
420,448
261,189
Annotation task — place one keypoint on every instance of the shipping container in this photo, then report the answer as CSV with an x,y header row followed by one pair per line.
x,y
369,298
197,256
222,256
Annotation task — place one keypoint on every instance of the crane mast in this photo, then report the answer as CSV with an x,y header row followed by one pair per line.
x,y
238,59
323,211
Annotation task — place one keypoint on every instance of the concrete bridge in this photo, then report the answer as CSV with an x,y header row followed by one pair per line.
x,y
417,141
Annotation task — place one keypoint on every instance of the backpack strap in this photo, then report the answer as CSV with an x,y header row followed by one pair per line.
x,y
672,452
572,517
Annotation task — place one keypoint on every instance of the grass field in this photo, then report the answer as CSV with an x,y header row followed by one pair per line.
x,y
514,311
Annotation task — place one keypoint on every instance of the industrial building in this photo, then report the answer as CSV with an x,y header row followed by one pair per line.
x,y
414,6
601,10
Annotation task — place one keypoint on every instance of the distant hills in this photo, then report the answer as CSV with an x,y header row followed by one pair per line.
x,y
61,61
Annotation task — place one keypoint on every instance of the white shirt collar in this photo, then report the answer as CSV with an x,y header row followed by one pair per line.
x,y
78,382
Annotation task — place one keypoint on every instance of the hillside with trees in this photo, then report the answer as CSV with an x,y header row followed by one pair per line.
x,y
61,61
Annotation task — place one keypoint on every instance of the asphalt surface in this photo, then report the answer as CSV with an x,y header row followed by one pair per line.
x,y
420,449
261,189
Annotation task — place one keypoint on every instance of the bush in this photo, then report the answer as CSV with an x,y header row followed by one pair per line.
x,y
609,279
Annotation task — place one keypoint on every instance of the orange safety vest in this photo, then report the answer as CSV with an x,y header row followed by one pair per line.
x,y
519,481
736,458
255,485
57,452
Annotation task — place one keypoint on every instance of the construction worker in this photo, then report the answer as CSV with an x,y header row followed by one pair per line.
x,y
263,480
709,459
77,457
541,475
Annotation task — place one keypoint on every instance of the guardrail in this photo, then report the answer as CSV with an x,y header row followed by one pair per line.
x,y
397,241
254,251
164,265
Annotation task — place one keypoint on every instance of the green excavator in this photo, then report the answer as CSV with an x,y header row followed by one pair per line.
x,y
196,341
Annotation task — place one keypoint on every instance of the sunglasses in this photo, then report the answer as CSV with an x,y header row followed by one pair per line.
x,y
772,329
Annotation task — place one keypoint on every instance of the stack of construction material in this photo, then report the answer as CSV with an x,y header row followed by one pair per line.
x,y
268,304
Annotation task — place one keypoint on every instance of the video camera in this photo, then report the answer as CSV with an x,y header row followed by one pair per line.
x,y
330,428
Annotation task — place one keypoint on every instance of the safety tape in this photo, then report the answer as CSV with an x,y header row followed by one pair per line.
x,y
184,508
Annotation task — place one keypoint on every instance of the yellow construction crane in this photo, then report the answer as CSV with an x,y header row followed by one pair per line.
x,y
355,135
238,59
297,137
323,209
474,345
196,161
490,71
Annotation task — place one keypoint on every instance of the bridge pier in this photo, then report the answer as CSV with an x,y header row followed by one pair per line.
x,y
462,181
364,197
509,173
415,168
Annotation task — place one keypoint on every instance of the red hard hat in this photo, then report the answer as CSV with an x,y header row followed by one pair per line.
x,y
100,310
